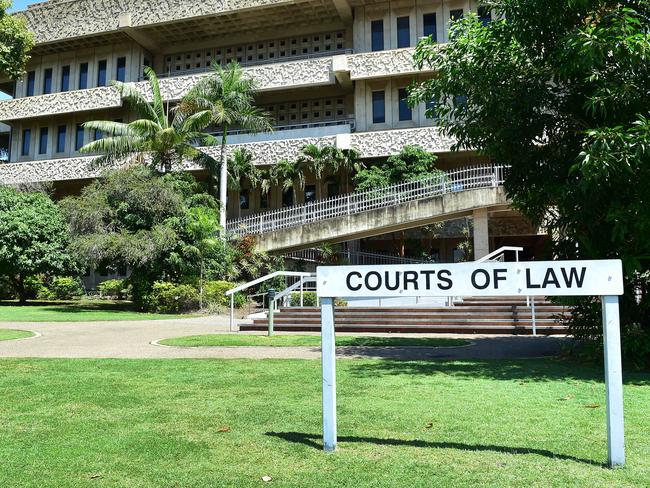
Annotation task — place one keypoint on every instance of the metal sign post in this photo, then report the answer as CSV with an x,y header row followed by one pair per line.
x,y
551,278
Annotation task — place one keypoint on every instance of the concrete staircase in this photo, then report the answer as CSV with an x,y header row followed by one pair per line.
x,y
471,316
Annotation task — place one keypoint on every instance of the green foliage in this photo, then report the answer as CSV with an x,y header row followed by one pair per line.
x,y
33,238
559,91
215,294
158,138
168,297
64,288
412,164
114,289
159,226
15,42
308,299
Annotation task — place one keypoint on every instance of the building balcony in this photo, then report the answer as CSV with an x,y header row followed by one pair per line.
x,y
264,152
270,76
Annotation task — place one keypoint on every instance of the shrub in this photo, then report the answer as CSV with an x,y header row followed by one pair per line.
x,y
65,288
214,294
168,297
35,288
114,288
308,299
6,290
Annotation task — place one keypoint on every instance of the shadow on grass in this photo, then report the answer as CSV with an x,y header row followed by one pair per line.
x,y
524,370
74,306
313,440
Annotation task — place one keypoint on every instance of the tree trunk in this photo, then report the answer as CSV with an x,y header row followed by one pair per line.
x,y
19,285
223,181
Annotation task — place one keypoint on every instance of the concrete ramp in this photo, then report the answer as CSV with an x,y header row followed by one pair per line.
x,y
379,221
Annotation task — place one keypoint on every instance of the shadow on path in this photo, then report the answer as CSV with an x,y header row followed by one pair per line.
x,y
310,440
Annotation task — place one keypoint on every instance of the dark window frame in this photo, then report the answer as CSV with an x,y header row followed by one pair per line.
x,y
43,140
61,131
405,112
83,76
430,28
377,97
65,78
26,142
48,77
102,72
30,89
120,71
377,35
403,29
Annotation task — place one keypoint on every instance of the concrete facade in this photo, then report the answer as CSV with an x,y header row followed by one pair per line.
x,y
329,72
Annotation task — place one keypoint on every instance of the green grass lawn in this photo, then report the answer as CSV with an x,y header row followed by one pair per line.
x,y
307,340
11,334
213,423
75,311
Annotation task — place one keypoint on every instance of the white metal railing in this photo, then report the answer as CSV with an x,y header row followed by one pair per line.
x,y
315,255
499,254
354,203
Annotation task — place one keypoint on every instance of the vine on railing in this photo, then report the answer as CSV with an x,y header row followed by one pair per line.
x,y
354,203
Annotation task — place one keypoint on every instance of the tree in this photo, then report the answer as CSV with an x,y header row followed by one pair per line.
x,y
560,91
152,224
330,160
241,167
33,238
412,164
228,96
202,228
157,137
288,175
15,42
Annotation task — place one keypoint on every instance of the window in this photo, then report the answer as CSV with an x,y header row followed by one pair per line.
x,y
460,101
244,199
98,135
310,193
456,14
484,15
65,78
79,137
31,82
60,139
121,69
264,199
430,25
378,107
27,141
332,189
403,32
101,73
404,109
42,140
430,106
83,76
47,81
377,35
287,197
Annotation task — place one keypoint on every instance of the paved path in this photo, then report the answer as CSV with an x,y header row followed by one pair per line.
x,y
136,340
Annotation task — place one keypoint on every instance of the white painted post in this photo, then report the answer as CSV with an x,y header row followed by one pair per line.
x,y
613,381
532,312
232,311
302,280
328,353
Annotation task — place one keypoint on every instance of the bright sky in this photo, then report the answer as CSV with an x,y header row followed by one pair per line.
x,y
22,4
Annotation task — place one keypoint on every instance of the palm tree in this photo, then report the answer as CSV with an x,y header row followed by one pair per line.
x,y
241,167
330,160
287,175
229,98
156,137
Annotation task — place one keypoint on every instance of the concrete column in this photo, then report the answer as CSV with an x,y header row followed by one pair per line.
x,y
481,236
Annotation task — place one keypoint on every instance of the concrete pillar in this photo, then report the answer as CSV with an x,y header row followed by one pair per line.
x,y
481,236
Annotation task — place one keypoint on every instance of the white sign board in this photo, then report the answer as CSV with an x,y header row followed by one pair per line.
x,y
535,278
602,278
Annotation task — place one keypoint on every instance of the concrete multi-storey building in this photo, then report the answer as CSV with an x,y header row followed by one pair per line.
x,y
328,71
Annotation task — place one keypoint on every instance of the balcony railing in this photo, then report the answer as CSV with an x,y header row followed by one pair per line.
x,y
310,125
255,62
354,203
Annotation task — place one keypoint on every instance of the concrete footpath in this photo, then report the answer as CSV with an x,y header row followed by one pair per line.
x,y
137,340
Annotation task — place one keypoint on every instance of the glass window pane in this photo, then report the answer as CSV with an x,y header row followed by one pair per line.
x,y
83,76
47,81
310,193
430,25
60,139
244,199
377,33
264,199
65,78
121,69
31,82
403,32
404,109
79,137
42,141
27,136
287,198
101,73
484,15
378,107
456,14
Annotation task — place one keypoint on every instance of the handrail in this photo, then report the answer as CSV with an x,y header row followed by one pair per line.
x,y
295,286
501,250
313,255
297,126
354,203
